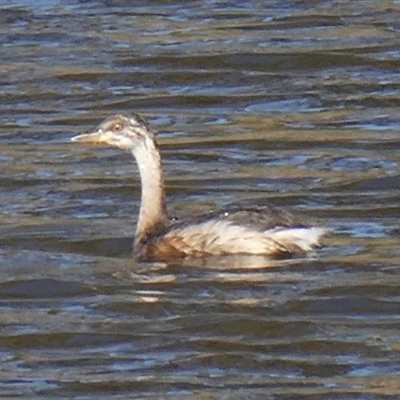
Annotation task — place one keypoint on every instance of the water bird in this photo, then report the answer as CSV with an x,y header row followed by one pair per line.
x,y
263,231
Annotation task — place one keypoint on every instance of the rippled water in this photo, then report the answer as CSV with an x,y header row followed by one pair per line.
x,y
286,103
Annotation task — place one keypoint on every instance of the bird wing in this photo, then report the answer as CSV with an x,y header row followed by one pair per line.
x,y
220,237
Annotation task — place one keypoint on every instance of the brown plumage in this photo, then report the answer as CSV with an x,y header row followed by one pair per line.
x,y
259,231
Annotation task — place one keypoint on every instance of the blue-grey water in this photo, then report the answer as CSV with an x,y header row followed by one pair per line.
x,y
289,103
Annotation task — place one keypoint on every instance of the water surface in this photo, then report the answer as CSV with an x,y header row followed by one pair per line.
x,y
285,103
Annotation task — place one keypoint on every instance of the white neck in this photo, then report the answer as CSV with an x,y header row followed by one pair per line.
x,y
153,213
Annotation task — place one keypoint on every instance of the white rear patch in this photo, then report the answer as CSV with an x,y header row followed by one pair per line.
x,y
303,238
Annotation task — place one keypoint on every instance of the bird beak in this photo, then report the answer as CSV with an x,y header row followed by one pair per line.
x,y
96,137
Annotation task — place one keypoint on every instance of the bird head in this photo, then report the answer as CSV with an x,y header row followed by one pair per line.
x,y
124,132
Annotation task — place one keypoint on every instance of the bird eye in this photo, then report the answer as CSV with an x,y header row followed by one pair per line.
x,y
117,127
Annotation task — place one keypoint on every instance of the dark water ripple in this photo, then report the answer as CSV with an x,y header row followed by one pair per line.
x,y
290,103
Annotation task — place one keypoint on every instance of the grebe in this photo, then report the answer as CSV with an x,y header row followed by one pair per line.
x,y
263,231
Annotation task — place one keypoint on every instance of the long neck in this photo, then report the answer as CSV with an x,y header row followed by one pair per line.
x,y
153,214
